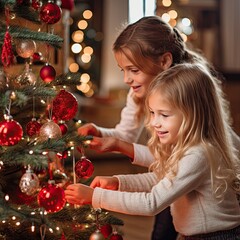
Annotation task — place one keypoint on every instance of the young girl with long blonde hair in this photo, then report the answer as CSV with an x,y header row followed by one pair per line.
x,y
195,161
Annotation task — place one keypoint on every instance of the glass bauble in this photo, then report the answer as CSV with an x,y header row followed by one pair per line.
x,y
50,130
11,132
33,127
25,48
51,197
84,168
65,106
50,13
97,235
47,73
29,182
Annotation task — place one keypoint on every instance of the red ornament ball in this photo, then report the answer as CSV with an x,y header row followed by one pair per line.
x,y
106,230
51,198
47,73
84,168
50,13
36,4
11,132
64,106
116,236
64,128
33,127
37,57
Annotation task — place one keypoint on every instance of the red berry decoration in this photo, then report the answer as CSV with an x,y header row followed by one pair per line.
x,y
50,13
33,127
52,197
116,236
84,168
47,73
11,132
64,106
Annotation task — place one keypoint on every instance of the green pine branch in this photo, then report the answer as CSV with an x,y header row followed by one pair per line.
x,y
70,221
18,32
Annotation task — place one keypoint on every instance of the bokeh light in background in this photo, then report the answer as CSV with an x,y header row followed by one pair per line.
x,y
85,40
170,13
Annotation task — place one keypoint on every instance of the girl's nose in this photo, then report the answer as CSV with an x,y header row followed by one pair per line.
x,y
156,122
128,80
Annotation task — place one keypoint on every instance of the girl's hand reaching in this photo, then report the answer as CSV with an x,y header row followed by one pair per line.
x,y
79,194
111,183
112,144
104,144
89,129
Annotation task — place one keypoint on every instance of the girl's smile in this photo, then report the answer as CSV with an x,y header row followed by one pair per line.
x,y
133,76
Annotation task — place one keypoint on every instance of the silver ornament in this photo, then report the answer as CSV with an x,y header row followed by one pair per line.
x,y
97,235
29,182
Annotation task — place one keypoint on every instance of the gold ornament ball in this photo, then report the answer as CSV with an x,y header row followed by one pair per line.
x,y
25,48
97,235
50,130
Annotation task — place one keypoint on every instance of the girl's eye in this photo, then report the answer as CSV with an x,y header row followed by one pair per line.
x,y
165,115
134,70
151,112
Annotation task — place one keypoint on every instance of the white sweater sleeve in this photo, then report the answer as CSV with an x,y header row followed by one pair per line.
x,y
141,194
142,155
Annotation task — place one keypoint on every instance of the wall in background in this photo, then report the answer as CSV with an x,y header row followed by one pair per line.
x,y
115,15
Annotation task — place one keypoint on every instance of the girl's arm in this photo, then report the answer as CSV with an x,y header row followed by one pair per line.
x,y
142,194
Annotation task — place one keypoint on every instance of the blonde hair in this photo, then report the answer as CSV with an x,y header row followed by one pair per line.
x,y
191,89
146,40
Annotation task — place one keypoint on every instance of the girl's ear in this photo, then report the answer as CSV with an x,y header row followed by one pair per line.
x,y
166,61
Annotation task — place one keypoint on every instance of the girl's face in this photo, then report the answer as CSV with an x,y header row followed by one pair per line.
x,y
133,76
165,119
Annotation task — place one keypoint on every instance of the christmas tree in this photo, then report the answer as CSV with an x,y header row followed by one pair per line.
x,y
38,136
